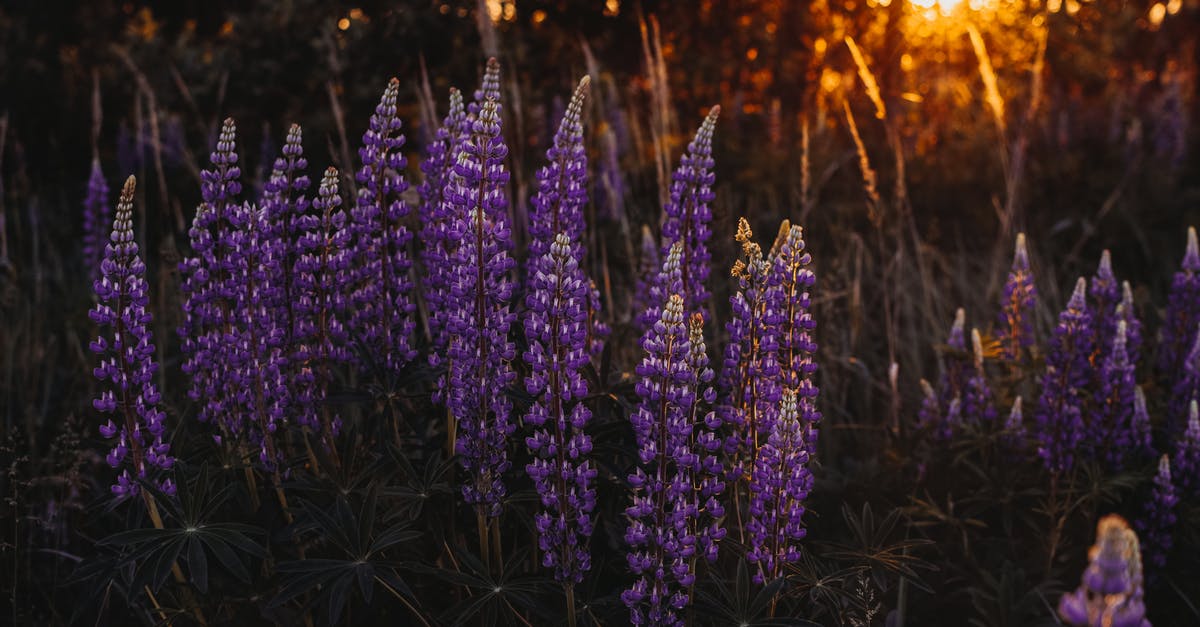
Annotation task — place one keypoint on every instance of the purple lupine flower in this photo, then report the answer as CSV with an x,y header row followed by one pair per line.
x,y
1112,433
956,363
1014,435
127,359
978,405
381,320
1015,324
797,347
559,202
1187,386
751,368
645,289
489,89
1059,417
255,367
209,285
1186,461
1106,295
1182,316
284,201
660,545
688,214
556,328
96,220
1158,517
435,218
1110,593
930,415
705,475
779,484
668,281
480,303
1139,426
323,285
1127,313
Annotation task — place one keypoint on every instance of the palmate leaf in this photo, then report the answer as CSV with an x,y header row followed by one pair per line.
x,y
743,603
493,596
151,553
358,559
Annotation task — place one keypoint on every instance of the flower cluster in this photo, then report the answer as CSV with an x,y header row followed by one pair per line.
x,y
978,406
1181,321
285,203
382,313
1110,593
96,217
779,484
1106,295
126,350
688,213
676,453
209,285
323,285
1060,411
481,293
1158,520
1187,454
556,331
434,215
797,348
751,370
1015,324
558,205
1112,433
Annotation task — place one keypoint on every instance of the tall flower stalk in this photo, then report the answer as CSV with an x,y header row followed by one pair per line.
x,y
209,285
1182,317
434,215
323,288
1158,518
668,518
285,203
1015,323
96,220
978,404
779,483
1060,410
558,205
1113,432
556,329
381,320
481,299
126,350
1186,461
797,349
688,214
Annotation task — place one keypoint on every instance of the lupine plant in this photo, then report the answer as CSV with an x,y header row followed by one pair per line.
x,y
779,483
1183,313
689,215
96,219
1186,463
1158,520
1060,425
1015,325
126,350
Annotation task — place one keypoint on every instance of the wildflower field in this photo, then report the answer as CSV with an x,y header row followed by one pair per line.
x,y
530,312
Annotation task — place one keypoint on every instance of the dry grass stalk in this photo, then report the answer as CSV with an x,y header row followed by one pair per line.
x,y
988,74
867,78
864,162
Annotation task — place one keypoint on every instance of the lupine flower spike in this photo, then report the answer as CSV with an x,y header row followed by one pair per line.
x,y
797,348
1127,312
1187,385
382,316
1106,295
435,214
751,369
1113,433
323,288
930,416
957,364
126,350
978,405
556,331
1187,454
1182,316
779,484
96,217
1140,426
285,203
1158,519
481,350
1015,324
1059,418
562,194
209,284
702,460
688,214
659,533
1014,427
1110,594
